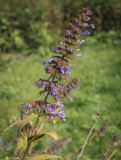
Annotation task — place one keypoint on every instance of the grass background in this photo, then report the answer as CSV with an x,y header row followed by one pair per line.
x,y
99,71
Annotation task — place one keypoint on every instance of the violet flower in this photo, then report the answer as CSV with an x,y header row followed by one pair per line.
x,y
91,25
55,110
60,104
61,115
85,33
65,70
53,91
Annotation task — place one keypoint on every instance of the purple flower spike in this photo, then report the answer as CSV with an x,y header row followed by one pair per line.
x,y
59,68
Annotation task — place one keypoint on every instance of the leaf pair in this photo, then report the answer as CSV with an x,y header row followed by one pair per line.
x,y
23,141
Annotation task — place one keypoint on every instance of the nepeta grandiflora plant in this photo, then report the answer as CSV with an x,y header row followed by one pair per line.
x,y
53,90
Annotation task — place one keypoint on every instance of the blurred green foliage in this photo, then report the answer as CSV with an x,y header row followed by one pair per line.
x,y
27,25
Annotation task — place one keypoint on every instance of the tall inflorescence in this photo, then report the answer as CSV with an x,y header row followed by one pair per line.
x,y
59,69
54,89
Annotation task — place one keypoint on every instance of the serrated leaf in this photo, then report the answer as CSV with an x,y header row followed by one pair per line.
x,y
23,122
43,157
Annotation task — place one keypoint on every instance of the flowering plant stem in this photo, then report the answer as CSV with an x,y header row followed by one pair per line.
x,y
51,107
34,127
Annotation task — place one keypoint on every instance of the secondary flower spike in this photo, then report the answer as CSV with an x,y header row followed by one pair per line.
x,y
58,68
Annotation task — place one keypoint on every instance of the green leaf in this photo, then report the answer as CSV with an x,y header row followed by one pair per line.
x,y
50,133
23,122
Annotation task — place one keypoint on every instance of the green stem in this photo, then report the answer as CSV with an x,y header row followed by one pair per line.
x,y
26,150
29,142
45,100
36,122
